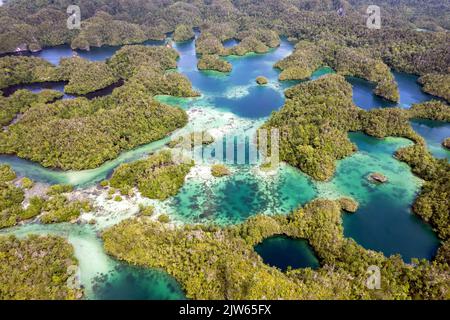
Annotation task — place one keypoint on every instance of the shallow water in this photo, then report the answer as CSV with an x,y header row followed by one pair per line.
x,y
244,193
384,221
284,252
78,178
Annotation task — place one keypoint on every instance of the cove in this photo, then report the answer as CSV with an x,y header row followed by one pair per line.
x,y
434,133
102,277
56,53
284,252
384,221
410,92
81,178
237,91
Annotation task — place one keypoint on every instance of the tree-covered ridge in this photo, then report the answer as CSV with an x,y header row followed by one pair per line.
x,y
34,24
208,44
433,202
183,33
127,61
304,60
22,70
81,133
157,177
220,263
308,57
18,201
84,76
257,41
103,29
213,62
432,110
22,100
437,85
37,268
257,24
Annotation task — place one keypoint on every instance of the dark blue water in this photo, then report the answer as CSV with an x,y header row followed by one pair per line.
x,y
363,95
283,252
38,87
230,43
55,54
59,86
259,102
409,89
434,132
237,91
384,221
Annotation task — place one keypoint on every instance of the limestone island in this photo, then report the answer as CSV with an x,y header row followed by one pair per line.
x,y
446,143
378,177
219,170
261,80
349,204
213,62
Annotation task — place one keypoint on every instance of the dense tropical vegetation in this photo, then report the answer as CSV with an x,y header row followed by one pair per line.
x,y
437,85
16,204
157,177
37,268
308,57
183,33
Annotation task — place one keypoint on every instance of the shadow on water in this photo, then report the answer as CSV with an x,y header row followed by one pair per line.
x,y
59,86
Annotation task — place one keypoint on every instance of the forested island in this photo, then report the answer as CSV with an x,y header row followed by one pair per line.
x,y
154,96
